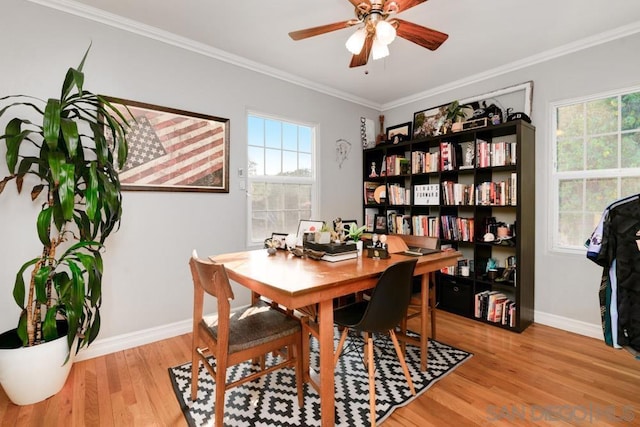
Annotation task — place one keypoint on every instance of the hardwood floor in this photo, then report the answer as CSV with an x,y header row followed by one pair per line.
x,y
543,376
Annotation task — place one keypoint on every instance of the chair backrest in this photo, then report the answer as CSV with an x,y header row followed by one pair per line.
x,y
389,299
210,277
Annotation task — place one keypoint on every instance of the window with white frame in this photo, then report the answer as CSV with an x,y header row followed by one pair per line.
x,y
596,145
281,173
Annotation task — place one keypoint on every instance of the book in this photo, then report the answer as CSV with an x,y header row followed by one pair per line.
x,y
342,256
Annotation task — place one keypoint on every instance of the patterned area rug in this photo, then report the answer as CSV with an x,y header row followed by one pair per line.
x,y
271,400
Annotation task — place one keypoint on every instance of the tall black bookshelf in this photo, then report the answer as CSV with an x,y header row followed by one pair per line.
x,y
475,189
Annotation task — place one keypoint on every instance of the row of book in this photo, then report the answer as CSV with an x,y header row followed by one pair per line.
x,y
425,225
398,223
496,307
398,195
491,154
425,161
501,193
457,228
455,193
394,165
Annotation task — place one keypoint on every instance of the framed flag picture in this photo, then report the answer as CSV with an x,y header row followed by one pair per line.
x,y
173,150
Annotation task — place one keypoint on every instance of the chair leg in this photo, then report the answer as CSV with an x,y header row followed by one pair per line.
x,y
402,361
221,379
336,355
299,355
372,380
403,329
195,366
304,349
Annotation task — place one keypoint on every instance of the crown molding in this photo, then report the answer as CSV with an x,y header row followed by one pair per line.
x,y
116,21
548,55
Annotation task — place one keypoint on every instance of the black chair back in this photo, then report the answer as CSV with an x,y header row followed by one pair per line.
x,y
389,299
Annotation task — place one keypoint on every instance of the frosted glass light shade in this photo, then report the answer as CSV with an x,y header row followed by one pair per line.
x,y
355,43
385,32
379,49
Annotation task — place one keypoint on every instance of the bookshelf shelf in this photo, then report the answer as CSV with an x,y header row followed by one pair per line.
x,y
459,187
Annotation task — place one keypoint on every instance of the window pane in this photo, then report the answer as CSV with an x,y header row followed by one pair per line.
x,y
259,225
291,200
273,163
602,152
289,162
570,154
600,193
631,111
255,131
304,199
630,186
275,197
256,161
631,150
292,220
273,134
258,196
602,116
304,161
304,139
570,120
289,136
570,195
571,231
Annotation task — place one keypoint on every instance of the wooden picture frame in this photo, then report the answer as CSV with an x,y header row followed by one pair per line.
x,y
380,224
174,150
428,122
346,224
279,239
399,133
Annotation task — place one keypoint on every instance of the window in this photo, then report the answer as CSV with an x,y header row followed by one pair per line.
x,y
596,147
282,175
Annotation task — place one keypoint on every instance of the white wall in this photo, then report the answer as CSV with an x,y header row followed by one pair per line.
x,y
566,284
147,283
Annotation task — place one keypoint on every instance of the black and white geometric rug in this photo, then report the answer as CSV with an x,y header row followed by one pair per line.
x,y
272,400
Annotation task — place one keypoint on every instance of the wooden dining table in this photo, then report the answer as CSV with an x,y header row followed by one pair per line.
x,y
299,282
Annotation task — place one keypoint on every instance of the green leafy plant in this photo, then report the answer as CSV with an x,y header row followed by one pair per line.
x,y
355,232
78,187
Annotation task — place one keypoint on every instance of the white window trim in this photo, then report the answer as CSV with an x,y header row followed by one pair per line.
x,y
314,180
554,177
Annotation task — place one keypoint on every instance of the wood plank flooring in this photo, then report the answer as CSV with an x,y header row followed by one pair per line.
x,y
543,376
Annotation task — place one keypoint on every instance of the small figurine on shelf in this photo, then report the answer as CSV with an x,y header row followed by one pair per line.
x,y
373,173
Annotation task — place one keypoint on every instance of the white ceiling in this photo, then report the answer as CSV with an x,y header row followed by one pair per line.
x,y
485,38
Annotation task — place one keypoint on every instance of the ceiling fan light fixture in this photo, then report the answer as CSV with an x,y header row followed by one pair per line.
x,y
355,43
385,32
379,49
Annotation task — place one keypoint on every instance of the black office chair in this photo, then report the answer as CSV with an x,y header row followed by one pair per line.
x,y
382,313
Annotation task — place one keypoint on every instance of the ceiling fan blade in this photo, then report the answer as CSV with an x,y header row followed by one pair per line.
x,y
362,58
356,3
322,29
402,5
425,37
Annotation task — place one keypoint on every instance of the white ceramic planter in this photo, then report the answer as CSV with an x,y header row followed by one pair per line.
x,y
31,374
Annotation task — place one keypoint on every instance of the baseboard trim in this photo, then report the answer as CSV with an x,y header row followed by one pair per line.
x,y
105,346
101,347
570,325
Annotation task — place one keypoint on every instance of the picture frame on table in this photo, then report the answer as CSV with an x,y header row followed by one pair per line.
x,y
428,122
399,133
279,239
308,226
346,224
173,150
380,224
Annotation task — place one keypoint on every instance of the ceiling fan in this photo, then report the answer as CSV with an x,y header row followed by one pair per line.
x,y
377,30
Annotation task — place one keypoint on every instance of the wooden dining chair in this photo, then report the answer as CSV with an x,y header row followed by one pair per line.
x,y
381,314
227,339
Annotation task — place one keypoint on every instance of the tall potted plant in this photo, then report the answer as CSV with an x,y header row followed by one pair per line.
x,y
59,291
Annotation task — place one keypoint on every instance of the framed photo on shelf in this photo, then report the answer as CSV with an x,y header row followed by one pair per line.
x,y
308,226
279,239
380,224
428,122
399,133
174,150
